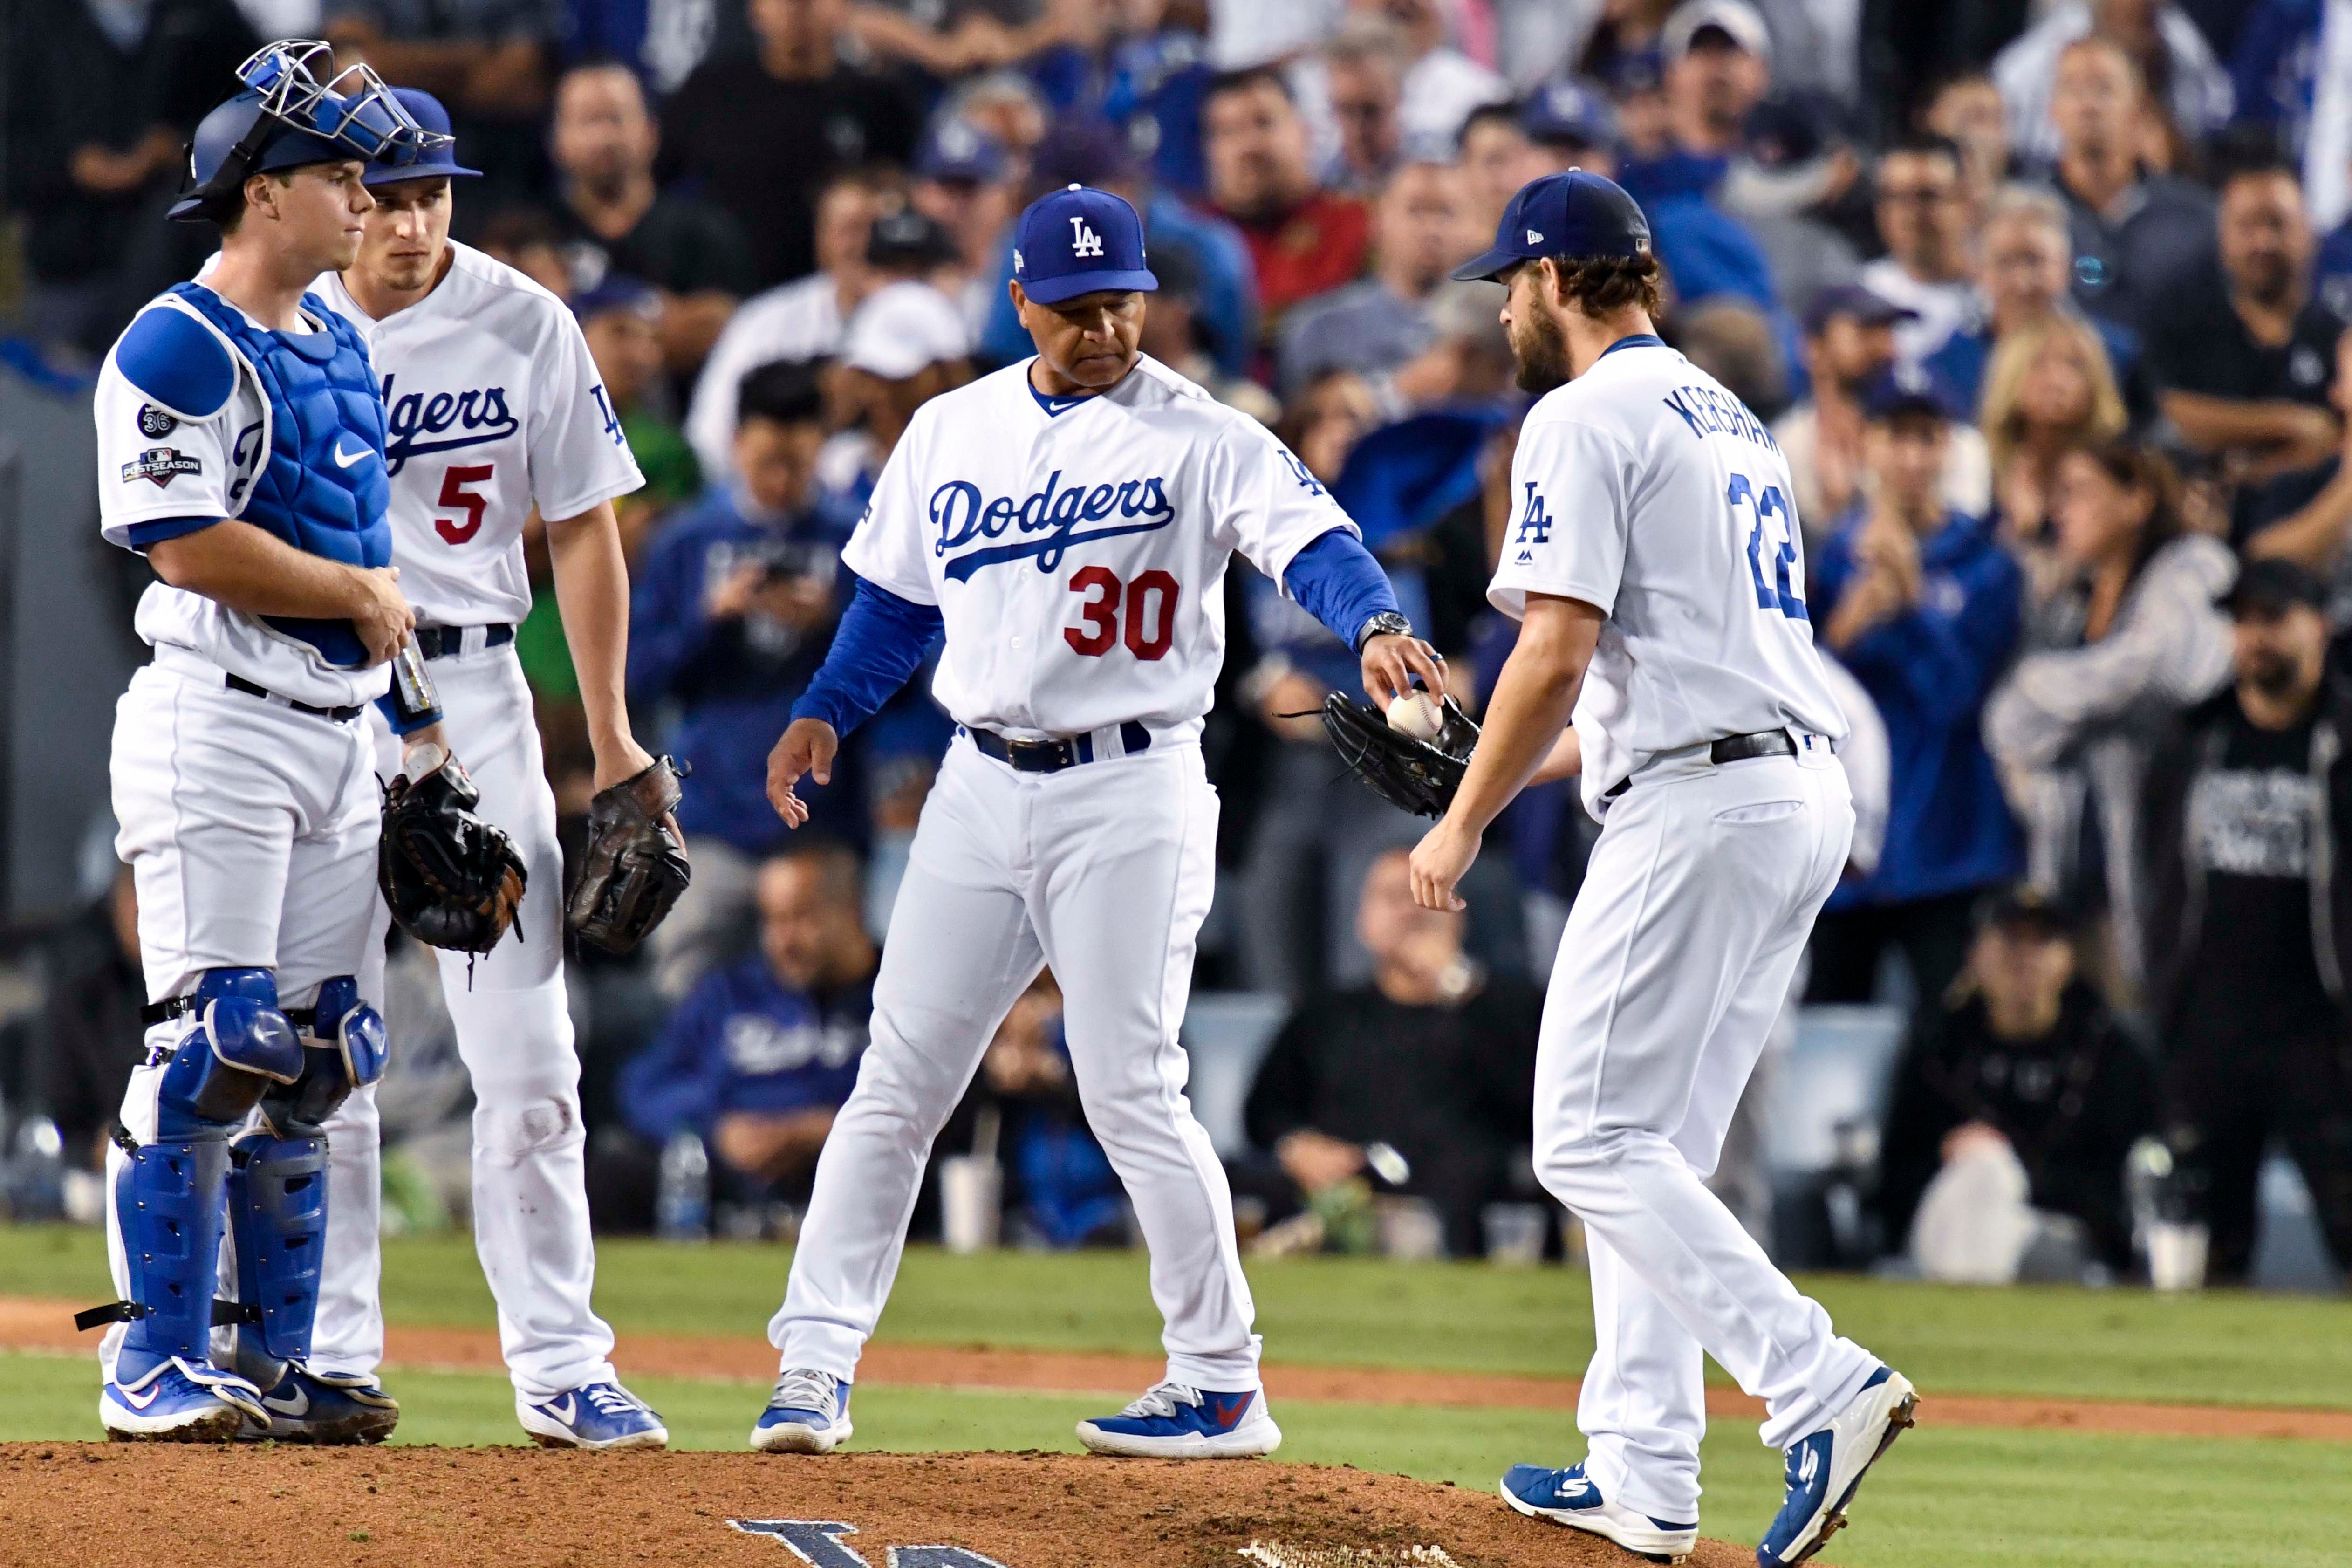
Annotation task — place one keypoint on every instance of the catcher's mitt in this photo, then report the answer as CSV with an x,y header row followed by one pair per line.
x,y
1419,776
452,879
635,866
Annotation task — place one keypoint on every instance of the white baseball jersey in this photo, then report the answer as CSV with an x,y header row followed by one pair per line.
x,y
1078,553
491,406
800,320
1645,489
155,463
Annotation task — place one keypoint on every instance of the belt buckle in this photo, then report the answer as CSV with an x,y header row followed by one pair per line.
x,y
1034,756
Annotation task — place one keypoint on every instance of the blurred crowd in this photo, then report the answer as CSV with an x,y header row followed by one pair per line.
x,y
2045,301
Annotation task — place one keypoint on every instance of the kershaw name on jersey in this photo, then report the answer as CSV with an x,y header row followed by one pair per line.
x,y
1076,551
1646,490
492,405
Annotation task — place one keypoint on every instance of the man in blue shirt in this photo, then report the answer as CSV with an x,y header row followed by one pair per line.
x,y
764,1052
732,613
1921,603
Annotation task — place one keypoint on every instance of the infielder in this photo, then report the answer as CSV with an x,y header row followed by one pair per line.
x,y
241,447
1655,566
1068,523
493,407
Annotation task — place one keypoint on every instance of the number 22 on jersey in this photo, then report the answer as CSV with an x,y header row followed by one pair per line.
x,y
1775,586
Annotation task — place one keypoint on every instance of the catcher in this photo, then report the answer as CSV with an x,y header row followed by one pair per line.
x,y
494,409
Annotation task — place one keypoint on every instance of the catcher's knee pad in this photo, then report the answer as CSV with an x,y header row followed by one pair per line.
x,y
278,1217
241,1045
168,1200
345,1050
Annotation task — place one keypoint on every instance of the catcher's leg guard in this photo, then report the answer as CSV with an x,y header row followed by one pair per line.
x,y
277,1191
169,1197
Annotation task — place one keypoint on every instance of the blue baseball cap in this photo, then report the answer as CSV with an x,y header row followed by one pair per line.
x,y
1571,215
956,149
439,158
1079,240
1565,113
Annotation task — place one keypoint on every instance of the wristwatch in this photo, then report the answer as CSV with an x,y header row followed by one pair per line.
x,y
1387,624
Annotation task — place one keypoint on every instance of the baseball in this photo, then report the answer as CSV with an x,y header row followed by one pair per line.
x,y
1416,713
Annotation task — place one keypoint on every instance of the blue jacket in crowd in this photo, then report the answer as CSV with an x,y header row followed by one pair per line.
x,y
1928,669
734,680
742,1040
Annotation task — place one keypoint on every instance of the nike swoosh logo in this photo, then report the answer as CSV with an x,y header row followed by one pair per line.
x,y
344,462
566,1411
299,1406
140,1401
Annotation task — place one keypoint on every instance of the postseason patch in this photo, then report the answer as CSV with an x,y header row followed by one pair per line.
x,y
161,465
154,424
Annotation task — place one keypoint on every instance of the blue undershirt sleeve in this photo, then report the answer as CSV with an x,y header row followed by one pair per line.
x,y
880,643
145,536
1339,584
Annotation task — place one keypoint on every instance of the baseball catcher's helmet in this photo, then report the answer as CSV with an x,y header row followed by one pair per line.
x,y
288,116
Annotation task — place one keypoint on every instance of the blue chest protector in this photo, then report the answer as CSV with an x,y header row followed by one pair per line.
x,y
322,488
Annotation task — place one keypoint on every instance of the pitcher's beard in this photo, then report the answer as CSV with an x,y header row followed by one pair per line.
x,y
1541,349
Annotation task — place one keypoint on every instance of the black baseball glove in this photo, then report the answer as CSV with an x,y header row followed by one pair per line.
x,y
1419,776
635,865
452,879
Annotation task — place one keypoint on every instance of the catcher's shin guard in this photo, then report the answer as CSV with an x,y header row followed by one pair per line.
x,y
169,1196
277,1189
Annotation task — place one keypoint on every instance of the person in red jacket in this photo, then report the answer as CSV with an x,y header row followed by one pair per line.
x,y
1303,240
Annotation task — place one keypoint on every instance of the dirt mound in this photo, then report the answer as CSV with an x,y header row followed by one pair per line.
x,y
134,1506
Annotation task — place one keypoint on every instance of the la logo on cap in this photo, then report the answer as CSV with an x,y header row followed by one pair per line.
x,y
1084,241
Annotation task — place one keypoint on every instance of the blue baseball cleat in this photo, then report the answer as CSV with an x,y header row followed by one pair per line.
x,y
325,1408
1569,1497
178,1401
807,1414
1173,1422
1825,1468
600,1415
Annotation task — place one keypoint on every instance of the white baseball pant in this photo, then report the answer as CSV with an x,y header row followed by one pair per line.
x,y
514,1033
1676,959
1102,872
250,830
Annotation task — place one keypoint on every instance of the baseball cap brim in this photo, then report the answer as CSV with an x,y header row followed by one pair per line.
x,y
1070,285
1486,267
394,173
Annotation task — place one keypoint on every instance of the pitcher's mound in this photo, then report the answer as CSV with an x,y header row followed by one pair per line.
x,y
138,1505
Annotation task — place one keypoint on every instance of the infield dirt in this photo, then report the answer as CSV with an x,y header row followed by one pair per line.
x,y
137,1505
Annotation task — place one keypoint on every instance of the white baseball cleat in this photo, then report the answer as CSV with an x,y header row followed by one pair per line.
x,y
1569,1497
1825,1468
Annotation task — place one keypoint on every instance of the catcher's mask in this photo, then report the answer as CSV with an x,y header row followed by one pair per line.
x,y
288,116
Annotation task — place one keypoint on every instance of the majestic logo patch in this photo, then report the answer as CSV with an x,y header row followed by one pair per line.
x,y
1054,514
154,424
161,465
415,424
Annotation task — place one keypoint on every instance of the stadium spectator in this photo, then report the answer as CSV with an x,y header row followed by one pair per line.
x,y
88,1037
761,1055
1925,219
1570,125
732,612
1363,66
763,134
1176,334
2015,1104
1432,1058
614,218
2048,390
2134,231
492,62
2305,516
1421,225
2154,38
1625,32
2245,827
1920,602
2250,383
2279,79
84,164
1966,109
1850,342
622,319
964,183
2132,636
2023,264
797,321
906,346
1497,156
524,236
1157,73
1303,240
1734,341
1718,66
1442,85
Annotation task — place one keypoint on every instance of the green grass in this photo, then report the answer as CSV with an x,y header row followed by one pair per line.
x,y
2217,1348
1943,1499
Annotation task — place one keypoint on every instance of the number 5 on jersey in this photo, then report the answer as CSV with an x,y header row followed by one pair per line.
x,y
1775,589
454,493
1150,600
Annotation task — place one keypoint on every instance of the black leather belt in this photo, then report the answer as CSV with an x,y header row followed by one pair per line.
x,y
1730,749
441,642
1053,756
340,715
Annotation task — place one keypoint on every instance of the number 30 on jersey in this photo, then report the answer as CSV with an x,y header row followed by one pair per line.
x,y
1770,560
